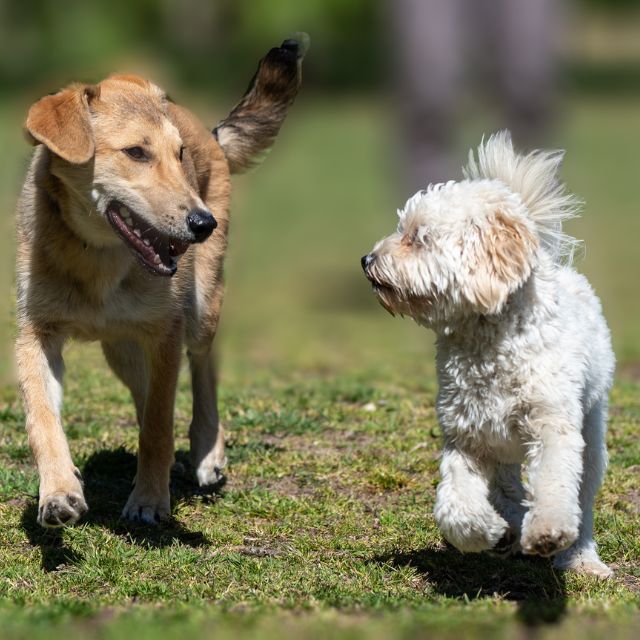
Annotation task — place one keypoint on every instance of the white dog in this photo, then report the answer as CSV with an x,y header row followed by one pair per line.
x,y
524,354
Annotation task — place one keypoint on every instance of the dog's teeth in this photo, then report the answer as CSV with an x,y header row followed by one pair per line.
x,y
146,242
157,260
137,232
125,214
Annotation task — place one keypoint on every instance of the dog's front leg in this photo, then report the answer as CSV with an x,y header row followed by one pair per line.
x,y
40,369
554,473
149,501
463,512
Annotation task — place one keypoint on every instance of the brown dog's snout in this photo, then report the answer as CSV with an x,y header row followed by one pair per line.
x,y
201,223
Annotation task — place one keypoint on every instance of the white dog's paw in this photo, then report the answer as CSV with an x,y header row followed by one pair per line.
x,y
545,534
472,532
148,509
583,561
210,473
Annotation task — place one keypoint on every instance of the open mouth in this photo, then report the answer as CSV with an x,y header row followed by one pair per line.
x,y
154,250
383,293
378,287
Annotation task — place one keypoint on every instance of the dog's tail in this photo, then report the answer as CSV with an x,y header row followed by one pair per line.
x,y
535,177
248,132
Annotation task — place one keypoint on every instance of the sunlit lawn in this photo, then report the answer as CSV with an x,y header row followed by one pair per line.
x,y
325,524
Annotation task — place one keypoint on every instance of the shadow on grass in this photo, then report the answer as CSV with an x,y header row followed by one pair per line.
x,y
532,583
108,477
55,552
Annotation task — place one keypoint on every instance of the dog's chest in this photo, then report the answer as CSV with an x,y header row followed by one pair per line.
x,y
122,314
112,309
483,405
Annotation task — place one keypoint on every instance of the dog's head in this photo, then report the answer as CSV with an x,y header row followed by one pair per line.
x,y
460,248
121,152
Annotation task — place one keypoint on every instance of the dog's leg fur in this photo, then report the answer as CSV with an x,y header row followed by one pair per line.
x,y
507,496
205,433
583,555
40,370
127,360
149,501
463,511
554,470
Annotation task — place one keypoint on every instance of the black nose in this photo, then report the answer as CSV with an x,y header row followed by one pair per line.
x,y
201,223
365,261
290,45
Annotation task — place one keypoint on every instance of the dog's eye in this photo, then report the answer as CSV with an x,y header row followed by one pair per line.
x,y
137,153
180,153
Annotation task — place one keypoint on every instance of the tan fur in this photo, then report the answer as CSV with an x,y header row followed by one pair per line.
x,y
78,279
61,121
503,263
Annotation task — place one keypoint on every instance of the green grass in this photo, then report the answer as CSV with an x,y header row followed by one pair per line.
x,y
325,521
325,527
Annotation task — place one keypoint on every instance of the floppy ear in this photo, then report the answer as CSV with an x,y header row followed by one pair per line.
x,y
62,122
500,259
249,131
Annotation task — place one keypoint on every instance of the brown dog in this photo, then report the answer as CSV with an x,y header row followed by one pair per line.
x,y
113,245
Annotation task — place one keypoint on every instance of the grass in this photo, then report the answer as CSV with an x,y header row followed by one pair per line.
x,y
325,522
325,527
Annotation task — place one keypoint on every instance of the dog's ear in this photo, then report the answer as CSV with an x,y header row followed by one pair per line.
x,y
248,132
500,258
62,122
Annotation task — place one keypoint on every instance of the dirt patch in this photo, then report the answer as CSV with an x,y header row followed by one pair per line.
x,y
632,500
19,501
624,576
287,486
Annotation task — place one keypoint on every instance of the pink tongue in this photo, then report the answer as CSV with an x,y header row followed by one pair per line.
x,y
146,251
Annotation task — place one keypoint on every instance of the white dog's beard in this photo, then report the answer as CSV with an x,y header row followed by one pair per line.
x,y
422,309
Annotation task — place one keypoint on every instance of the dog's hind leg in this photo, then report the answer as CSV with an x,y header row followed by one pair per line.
x,y
463,512
149,501
507,496
40,369
583,555
205,433
127,360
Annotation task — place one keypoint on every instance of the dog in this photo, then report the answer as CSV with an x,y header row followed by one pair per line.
x,y
116,243
524,356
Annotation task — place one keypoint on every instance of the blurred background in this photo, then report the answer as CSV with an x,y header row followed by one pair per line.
x,y
395,92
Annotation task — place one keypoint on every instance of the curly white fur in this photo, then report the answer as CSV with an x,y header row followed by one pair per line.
x,y
524,354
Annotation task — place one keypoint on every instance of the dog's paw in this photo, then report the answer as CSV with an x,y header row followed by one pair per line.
x,y
547,534
583,561
208,474
61,509
469,532
147,509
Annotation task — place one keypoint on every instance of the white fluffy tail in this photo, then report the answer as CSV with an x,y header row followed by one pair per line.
x,y
535,177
